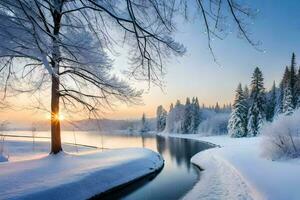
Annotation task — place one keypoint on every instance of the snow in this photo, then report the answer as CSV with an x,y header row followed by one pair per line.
x,y
237,170
75,176
18,150
3,158
281,137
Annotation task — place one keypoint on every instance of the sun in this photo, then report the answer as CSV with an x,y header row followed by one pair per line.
x,y
59,117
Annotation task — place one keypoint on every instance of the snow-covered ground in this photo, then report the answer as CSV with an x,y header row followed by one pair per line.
x,y
3,158
74,176
237,170
18,150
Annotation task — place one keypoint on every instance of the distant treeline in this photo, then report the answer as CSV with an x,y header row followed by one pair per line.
x,y
193,118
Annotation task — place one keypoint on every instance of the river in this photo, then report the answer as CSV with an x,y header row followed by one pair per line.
x,y
177,177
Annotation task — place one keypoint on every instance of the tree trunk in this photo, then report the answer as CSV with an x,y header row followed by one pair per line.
x,y
55,122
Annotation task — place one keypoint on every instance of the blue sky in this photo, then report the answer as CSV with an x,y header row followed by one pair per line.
x,y
277,26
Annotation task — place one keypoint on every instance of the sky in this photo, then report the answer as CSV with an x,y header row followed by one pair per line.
x,y
276,26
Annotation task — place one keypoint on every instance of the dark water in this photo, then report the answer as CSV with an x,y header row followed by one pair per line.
x,y
176,178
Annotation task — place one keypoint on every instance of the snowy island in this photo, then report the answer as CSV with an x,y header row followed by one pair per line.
x,y
74,176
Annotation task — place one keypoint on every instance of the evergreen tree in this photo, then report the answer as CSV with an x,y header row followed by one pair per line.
x,y
187,119
178,117
195,115
297,88
247,105
237,125
256,115
293,80
175,118
278,109
285,83
246,92
289,88
144,124
161,118
217,107
286,76
271,106
171,107
287,103
177,103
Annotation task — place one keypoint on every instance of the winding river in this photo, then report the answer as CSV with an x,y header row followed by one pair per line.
x,y
177,177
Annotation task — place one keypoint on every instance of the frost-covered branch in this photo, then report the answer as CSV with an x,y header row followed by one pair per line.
x,y
70,40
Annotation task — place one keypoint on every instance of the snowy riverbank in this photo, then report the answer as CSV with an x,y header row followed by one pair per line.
x,y
237,171
75,176
20,150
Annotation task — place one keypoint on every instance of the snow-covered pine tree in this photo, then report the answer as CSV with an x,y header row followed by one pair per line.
x,y
279,97
297,87
256,114
175,118
288,88
217,107
228,108
171,107
195,115
246,92
187,117
179,116
293,79
177,103
283,84
237,125
271,105
287,102
161,117
247,105
144,124
278,109
224,106
170,122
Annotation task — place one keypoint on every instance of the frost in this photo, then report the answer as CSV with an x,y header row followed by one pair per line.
x,y
282,137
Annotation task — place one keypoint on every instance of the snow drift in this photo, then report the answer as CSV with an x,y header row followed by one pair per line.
x,y
282,137
3,158
67,176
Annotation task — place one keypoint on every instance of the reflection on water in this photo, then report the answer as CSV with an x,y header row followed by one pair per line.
x,y
176,178
182,150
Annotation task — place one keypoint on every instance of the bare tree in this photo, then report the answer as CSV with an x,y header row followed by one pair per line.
x,y
66,43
